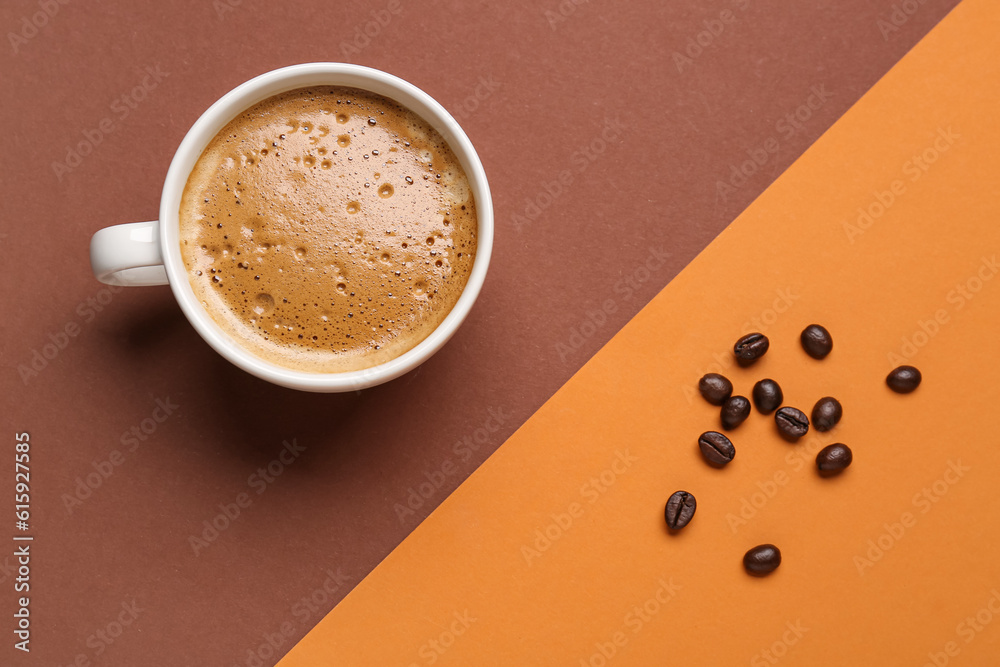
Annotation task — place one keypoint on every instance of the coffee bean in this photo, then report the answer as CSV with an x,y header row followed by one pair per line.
x,y
715,388
679,510
750,348
792,423
761,560
816,341
717,449
904,379
826,413
734,412
767,396
833,458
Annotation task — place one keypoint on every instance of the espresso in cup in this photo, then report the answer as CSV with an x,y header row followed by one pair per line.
x,y
328,229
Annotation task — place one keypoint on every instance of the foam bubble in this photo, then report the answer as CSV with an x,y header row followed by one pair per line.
x,y
458,193
385,191
263,304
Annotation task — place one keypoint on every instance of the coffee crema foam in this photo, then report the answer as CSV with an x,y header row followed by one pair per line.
x,y
328,229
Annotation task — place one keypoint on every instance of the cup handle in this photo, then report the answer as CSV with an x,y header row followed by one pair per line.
x,y
128,255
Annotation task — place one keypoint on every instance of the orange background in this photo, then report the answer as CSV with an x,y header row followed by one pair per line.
x,y
916,283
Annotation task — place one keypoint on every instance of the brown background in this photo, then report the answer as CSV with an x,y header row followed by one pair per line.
x,y
552,88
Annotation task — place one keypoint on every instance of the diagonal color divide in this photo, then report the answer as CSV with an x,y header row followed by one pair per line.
x,y
554,552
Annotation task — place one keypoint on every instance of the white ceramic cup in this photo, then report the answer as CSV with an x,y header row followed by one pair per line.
x,y
148,253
